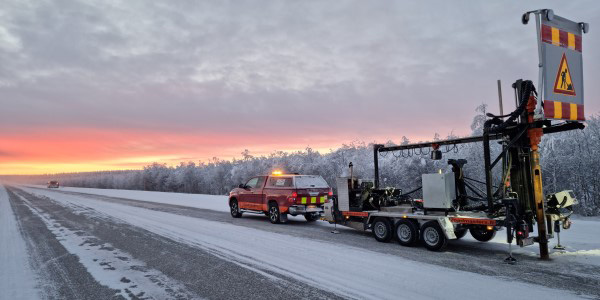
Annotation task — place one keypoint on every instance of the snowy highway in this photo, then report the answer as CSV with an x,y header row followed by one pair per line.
x,y
74,243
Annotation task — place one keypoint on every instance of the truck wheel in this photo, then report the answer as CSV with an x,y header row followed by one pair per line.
x,y
311,217
407,233
235,209
274,213
481,233
433,237
382,230
460,233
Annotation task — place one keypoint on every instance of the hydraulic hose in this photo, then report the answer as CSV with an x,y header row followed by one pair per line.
x,y
497,125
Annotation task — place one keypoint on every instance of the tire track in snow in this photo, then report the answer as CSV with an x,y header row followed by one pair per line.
x,y
346,270
207,273
466,255
134,280
60,275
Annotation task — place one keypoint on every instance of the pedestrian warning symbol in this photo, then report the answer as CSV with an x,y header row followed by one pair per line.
x,y
564,83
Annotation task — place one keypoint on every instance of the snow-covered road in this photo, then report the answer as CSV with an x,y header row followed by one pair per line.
x,y
17,280
189,247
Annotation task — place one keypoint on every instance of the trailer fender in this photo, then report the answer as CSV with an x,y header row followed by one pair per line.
x,y
447,228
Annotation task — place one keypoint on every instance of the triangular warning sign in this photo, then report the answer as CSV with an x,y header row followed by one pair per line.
x,y
563,83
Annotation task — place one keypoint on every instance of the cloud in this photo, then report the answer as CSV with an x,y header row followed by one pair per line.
x,y
5,153
335,71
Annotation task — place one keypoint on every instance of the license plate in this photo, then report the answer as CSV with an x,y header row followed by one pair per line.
x,y
312,206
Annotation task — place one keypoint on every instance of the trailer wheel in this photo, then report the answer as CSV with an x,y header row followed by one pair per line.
x,y
481,233
274,215
235,209
407,233
433,237
460,233
382,230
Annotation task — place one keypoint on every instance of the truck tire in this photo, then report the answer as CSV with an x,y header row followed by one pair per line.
x,y
433,237
311,217
407,233
235,209
274,215
460,233
481,233
382,230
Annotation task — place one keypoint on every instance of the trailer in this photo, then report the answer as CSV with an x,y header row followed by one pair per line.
x,y
434,220
450,205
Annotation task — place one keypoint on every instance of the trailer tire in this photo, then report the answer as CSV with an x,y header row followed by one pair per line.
x,y
234,209
274,214
382,230
460,233
407,233
433,237
481,233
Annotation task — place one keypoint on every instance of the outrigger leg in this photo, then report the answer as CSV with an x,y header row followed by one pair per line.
x,y
557,230
510,259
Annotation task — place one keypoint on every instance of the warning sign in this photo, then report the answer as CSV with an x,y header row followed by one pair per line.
x,y
564,82
562,73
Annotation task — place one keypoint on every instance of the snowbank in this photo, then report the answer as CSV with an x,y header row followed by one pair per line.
x,y
17,280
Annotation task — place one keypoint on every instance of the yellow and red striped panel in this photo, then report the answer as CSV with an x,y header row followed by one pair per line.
x,y
313,200
355,213
561,38
474,221
563,110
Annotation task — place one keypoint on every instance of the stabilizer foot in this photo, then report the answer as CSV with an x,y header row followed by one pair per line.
x,y
335,231
510,260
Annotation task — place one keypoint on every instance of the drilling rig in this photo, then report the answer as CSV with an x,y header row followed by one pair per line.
x,y
451,205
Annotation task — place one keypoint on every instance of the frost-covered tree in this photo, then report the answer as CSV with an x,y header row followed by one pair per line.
x,y
570,160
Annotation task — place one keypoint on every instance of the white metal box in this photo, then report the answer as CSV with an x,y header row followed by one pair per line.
x,y
439,190
342,194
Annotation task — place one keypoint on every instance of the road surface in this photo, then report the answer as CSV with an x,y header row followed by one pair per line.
x,y
90,246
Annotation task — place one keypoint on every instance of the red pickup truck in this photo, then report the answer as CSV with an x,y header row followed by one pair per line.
x,y
278,195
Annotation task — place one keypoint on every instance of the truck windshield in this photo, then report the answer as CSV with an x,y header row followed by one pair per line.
x,y
310,181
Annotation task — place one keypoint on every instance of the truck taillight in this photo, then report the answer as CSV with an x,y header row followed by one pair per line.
x,y
292,198
523,231
329,195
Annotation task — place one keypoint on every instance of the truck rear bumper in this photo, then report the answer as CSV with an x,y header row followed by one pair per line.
x,y
303,209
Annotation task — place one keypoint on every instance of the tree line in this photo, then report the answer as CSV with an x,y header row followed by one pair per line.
x,y
570,160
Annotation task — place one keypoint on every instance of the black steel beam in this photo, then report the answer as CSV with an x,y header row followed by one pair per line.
x,y
563,127
472,139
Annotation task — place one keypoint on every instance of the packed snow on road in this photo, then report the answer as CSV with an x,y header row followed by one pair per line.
x,y
79,243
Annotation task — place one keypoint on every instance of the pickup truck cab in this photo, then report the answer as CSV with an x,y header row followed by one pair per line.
x,y
278,195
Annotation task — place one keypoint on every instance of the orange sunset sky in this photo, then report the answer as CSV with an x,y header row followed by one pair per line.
x,y
96,85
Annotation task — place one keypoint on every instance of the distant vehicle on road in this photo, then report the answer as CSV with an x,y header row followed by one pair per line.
x,y
278,195
53,184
